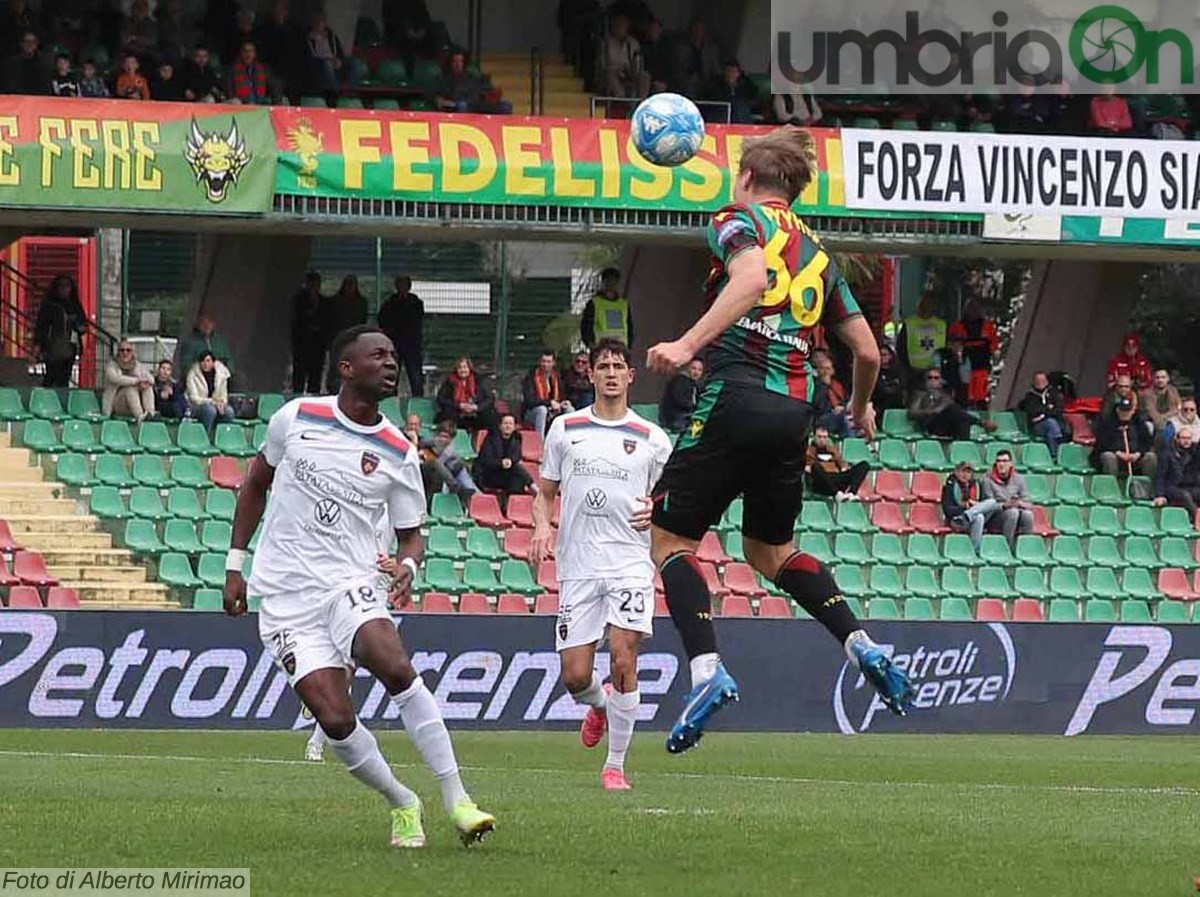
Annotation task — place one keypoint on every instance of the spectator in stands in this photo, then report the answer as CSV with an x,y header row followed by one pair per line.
x,y
409,28
402,318
56,334
459,90
131,84
921,338
1043,407
1176,482
890,386
964,506
18,20
26,73
208,391
1007,488
170,401
498,467
413,428
658,55
1109,113
1025,111
241,33
621,73
828,471
734,88
1066,113
442,468
797,107
166,86
1186,419
935,412
607,314
1121,390
542,394
345,309
277,41
205,338
309,336
464,399
250,80
1123,444
63,82
128,385
1131,362
698,61
178,33
579,29
956,369
91,84
199,78
829,404
577,382
139,32
1160,402
980,346
679,398
326,59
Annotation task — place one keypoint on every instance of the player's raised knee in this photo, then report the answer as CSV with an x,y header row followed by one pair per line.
x,y
768,559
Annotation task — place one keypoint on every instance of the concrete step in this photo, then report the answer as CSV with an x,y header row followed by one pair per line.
x,y
15,457
97,574
39,507
123,594
5,438
31,489
515,83
68,541
100,558
20,473
57,524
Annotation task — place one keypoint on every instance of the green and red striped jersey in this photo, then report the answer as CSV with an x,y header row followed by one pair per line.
x,y
771,344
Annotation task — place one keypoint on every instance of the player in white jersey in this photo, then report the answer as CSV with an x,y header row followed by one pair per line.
x,y
604,460
336,467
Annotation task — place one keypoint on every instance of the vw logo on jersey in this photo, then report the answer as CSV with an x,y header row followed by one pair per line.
x,y
328,512
596,499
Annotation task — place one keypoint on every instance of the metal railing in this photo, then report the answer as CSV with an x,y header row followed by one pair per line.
x,y
537,81
714,111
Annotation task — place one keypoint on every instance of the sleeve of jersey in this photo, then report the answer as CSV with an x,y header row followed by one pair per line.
x,y
660,443
732,229
406,504
840,303
277,431
552,453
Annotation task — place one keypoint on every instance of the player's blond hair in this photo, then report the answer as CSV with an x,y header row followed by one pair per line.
x,y
784,161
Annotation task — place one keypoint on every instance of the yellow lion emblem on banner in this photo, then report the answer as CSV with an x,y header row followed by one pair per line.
x,y
217,159
307,143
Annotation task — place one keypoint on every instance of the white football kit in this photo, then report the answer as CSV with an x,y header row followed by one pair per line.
x,y
315,567
603,468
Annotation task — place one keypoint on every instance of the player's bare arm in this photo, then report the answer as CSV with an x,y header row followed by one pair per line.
x,y
745,288
251,502
410,548
640,520
543,514
857,336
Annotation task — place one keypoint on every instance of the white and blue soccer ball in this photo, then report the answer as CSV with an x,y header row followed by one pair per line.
x,y
667,129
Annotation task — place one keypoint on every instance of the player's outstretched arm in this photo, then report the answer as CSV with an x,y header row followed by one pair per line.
x,y
858,337
543,514
410,548
745,287
251,502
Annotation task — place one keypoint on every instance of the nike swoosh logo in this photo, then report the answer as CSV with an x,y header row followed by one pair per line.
x,y
307,435
576,441
688,709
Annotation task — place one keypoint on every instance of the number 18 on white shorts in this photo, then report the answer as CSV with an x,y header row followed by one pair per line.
x,y
587,606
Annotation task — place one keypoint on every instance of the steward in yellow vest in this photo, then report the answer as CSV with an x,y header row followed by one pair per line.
x,y
606,316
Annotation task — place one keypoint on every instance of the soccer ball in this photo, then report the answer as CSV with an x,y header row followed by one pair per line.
x,y
667,129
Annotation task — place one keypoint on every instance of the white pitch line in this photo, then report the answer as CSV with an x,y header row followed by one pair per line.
x,y
1162,791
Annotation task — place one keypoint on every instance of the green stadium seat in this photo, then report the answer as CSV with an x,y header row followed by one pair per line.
x,y
149,470
154,438
1065,582
45,404
954,609
1069,489
184,504
957,581
220,504
1068,551
882,607
216,535
78,436
852,517
482,543
83,405
1136,582
443,543
208,600
211,570
230,439
175,570
107,504
1138,488
141,537
478,577
111,470
982,127
1135,611
1102,582
1008,428
928,455
648,410
1102,551
994,550
259,437
74,470
993,583
193,439
116,437
898,425
1073,458
422,406
895,454
390,408
943,125
386,104
1063,610
180,535
921,582
855,450
814,543
1030,582
1176,522
923,549
886,548
1069,520
1173,612
1097,610
515,576
439,576
349,103
815,516
447,509
1107,491
919,609
462,445
1140,521
885,580
1032,551
189,471
966,451
1040,492
867,123
11,406
268,404
1174,551
732,519
147,503
958,550
1037,458
1104,521
905,124
1139,552
850,581
734,547
38,436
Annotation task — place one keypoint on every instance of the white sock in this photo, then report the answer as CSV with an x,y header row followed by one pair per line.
x,y
593,695
704,667
360,752
622,714
856,637
423,721
318,737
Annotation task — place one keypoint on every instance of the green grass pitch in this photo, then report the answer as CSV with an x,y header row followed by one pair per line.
x,y
741,815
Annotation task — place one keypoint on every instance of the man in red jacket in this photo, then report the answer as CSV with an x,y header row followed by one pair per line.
x,y
980,345
1132,363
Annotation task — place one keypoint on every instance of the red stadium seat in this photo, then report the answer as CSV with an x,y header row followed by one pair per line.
x,y
927,486
511,604
1081,429
534,469
990,610
480,435
712,580
546,604
1027,610
660,605
1173,582
7,543
866,492
6,578
739,579
891,486
531,446
710,550
927,518
774,606
517,539
547,576
1041,523
520,510
29,567
889,518
24,598
735,606
473,603
485,511
224,472
437,603
62,598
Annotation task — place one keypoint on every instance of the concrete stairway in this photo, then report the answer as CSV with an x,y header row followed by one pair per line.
x,y
564,93
77,551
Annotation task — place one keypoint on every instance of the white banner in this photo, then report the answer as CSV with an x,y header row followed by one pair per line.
x,y
1028,174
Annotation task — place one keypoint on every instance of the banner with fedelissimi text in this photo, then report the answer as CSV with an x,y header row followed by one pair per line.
x,y
125,155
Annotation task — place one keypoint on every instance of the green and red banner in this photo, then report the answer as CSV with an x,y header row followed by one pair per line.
x,y
125,155
516,160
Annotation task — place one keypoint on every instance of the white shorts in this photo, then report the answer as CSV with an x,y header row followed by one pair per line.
x,y
586,607
314,630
